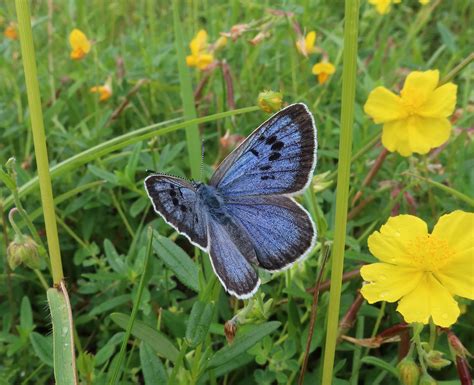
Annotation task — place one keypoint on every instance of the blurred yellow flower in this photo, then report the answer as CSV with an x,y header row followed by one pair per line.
x,y
11,32
221,42
323,70
105,91
424,2
200,56
415,121
383,6
420,270
306,45
270,101
79,43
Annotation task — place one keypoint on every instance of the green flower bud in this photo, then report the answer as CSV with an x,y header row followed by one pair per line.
x,y
434,360
426,379
23,249
408,371
270,101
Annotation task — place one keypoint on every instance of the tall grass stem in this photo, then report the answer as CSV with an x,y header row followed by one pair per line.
x,y
39,138
349,71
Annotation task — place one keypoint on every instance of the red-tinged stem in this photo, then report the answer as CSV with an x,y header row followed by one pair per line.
x,y
404,345
326,285
349,318
394,330
463,370
372,173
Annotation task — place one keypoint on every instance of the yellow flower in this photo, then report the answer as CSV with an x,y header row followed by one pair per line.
x,y
424,2
10,32
200,57
323,70
306,45
420,270
415,121
105,91
79,43
383,6
270,101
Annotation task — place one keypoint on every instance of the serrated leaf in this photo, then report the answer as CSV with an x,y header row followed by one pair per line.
x,y
176,259
242,343
157,340
199,322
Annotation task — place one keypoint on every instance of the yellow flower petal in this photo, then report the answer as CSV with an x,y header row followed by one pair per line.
x,y
458,229
458,275
395,137
427,133
429,298
440,103
418,85
78,40
389,245
384,106
310,40
382,6
388,282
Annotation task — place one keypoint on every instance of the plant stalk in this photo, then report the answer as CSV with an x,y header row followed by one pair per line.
x,y
342,194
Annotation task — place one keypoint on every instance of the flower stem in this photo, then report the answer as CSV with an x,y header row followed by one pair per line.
x,y
463,64
351,25
39,139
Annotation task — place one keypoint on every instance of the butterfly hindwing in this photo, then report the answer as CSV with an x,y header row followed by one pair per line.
x,y
280,230
277,158
230,264
175,200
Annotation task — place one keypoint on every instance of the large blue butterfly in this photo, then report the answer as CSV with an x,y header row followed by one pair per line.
x,y
245,216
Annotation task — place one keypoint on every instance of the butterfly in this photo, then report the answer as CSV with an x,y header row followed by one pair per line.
x,y
246,216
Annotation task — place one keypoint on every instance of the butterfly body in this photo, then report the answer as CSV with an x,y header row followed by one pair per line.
x,y
245,217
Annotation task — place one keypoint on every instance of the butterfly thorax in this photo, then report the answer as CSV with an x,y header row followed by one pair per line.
x,y
211,199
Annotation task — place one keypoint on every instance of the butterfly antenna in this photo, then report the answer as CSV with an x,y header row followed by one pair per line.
x,y
202,158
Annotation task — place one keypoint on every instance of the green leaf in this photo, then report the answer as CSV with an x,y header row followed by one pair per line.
x,y
110,304
381,364
199,322
242,343
157,340
152,367
102,174
177,260
26,315
63,347
7,180
43,347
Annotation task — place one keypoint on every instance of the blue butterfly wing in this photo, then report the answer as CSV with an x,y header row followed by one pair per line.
x,y
280,230
175,200
277,158
230,252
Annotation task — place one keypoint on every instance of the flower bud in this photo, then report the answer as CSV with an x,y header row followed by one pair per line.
x,y
408,371
426,379
270,101
23,249
434,360
230,328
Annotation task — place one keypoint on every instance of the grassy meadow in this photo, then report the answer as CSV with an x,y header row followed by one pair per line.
x,y
95,288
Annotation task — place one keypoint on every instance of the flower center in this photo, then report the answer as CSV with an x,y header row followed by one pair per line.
x,y
429,253
413,100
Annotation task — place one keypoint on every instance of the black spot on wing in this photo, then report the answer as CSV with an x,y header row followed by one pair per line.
x,y
254,152
265,177
277,146
272,139
274,156
175,201
266,167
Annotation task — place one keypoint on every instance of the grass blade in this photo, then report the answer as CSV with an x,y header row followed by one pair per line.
x,y
342,194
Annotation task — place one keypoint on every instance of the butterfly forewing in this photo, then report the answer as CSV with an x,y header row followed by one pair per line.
x,y
277,158
176,201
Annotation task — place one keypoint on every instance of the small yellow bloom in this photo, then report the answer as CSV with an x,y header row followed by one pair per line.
x,y
323,70
11,32
220,43
307,45
415,121
420,270
270,101
383,6
200,56
424,2
79,43
105,91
